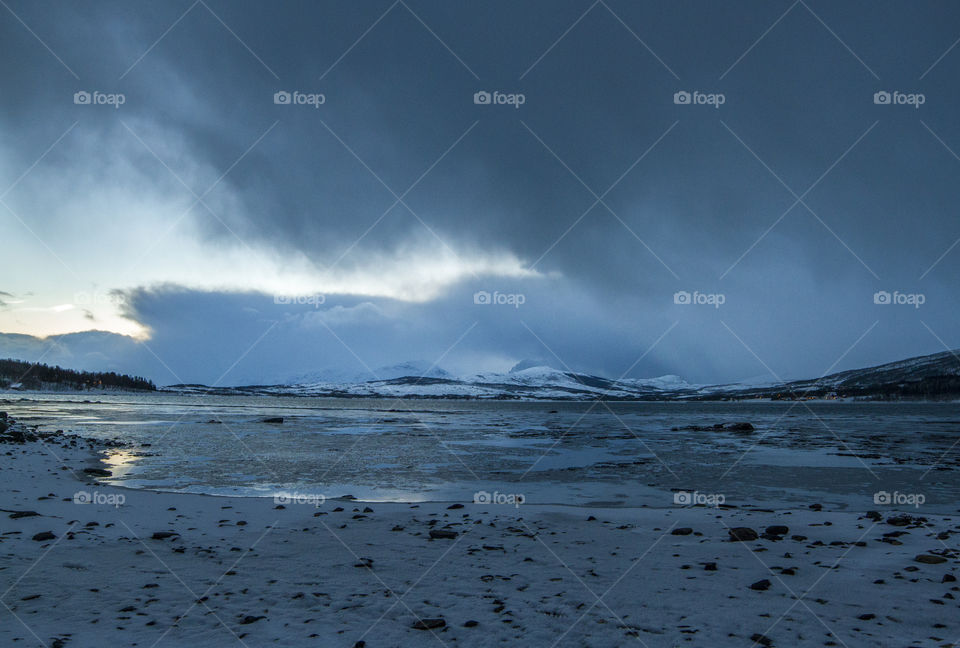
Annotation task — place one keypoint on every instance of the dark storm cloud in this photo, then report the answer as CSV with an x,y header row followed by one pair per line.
x,y
702,199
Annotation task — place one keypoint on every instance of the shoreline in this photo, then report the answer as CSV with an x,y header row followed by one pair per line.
x,y
178,569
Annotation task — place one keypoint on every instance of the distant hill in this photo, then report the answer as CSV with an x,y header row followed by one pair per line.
x,y
16,374
927,378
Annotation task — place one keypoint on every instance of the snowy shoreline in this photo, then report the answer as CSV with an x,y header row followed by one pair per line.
x,y
242,569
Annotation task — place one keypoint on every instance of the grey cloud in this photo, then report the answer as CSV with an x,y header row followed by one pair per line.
x,y
710,191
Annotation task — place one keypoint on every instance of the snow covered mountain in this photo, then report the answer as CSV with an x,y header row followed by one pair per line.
x,y
934,376
391,372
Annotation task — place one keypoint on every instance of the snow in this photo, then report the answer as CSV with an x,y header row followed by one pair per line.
x,y
528,575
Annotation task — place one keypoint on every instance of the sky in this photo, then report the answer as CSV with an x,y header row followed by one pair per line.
x,y
237,193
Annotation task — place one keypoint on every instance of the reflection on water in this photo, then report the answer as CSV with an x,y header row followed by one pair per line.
x,y
121,462
631,453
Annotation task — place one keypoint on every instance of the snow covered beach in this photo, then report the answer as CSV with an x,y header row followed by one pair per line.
x,y
144,568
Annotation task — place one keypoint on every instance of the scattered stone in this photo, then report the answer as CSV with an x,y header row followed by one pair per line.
x,y
443,534
778,529
43,536
930,559
247,620
22,514
761,585
453,507
758,638
681,531
365,562
904,520
429,624
98,472
471,624
742,534
163,535
710,566
867,617
948,578
272,419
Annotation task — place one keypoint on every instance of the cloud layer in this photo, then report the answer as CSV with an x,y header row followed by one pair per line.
x,y
193,213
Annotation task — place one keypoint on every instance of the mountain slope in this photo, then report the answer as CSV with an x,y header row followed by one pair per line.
x,y
931,377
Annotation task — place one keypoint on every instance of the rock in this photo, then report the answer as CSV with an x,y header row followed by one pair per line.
x,y
710,566
874,515
443,534
429,624
22,514
97,472
454,507
948,578
681,531
365,562
247,620
778,529
761,585
471,624
742,534
718,427
367,509
867,617
816,507
273,419
758,638
930,559
900,520
43,536
163,535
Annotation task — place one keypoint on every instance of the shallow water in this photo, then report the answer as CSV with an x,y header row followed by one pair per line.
x,y
625,454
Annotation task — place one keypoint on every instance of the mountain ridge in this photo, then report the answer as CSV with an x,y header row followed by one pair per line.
x,y
929,377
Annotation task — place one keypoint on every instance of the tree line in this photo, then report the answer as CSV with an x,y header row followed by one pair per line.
x,y
32,375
